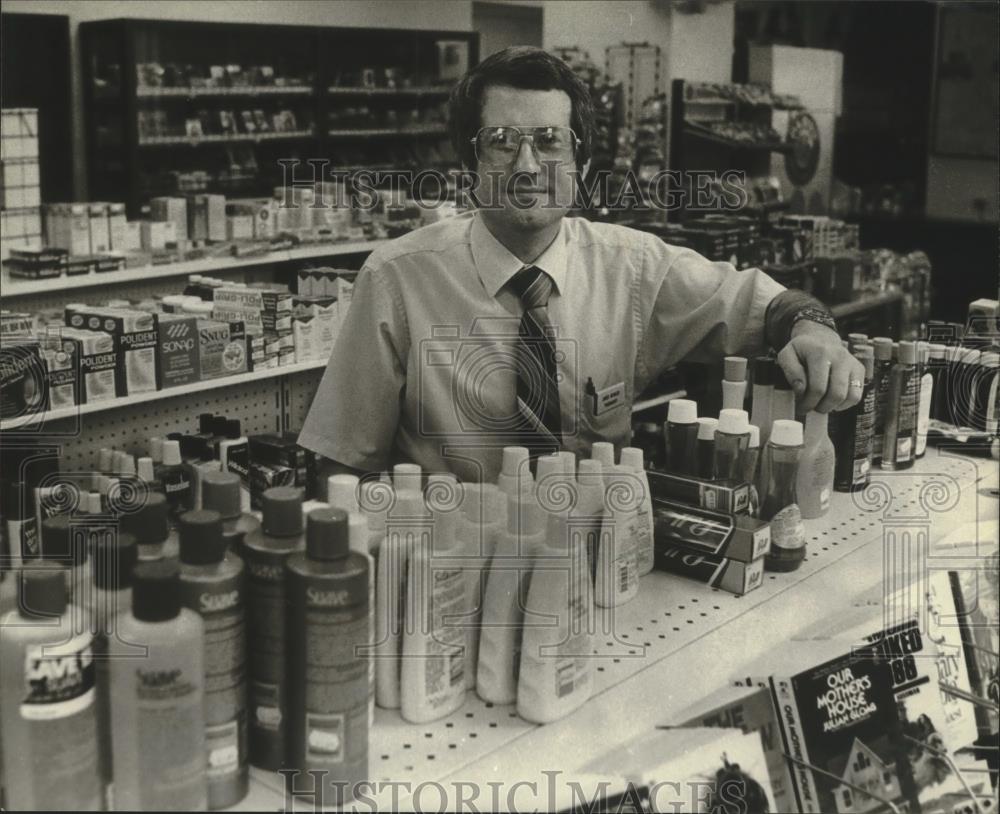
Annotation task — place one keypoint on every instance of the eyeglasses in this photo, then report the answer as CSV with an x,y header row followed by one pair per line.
x,y
500,145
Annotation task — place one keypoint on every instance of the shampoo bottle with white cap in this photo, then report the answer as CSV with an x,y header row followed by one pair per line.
x,y
233,450
408,523
432,676
680,435
503,603
342,492
779,503
603,451
732,440
221,492
617,578
48,715
212,585
556,670
328,660
514,471
158,728
705,449
632,460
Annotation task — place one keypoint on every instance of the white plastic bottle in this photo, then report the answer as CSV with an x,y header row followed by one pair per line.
x,y
484,519
617,579
632,460
342,492
590,505
432,677
556,669
407,476
358,539
407,522
503,603
48,717
514,470
604,452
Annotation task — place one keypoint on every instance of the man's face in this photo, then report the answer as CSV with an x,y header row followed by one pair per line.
x,y
528,194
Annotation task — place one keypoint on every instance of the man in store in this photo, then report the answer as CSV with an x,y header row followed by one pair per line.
x,y
515,324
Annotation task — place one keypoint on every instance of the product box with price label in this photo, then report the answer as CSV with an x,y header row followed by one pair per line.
x,y
734,536
728,497
717,572
135,342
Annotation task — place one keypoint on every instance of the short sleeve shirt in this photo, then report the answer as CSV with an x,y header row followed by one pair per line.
x,y
423,369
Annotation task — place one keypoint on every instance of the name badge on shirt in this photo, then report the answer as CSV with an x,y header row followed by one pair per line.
x,y
606,400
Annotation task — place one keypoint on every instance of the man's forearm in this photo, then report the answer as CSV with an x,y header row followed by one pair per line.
x,y
782,311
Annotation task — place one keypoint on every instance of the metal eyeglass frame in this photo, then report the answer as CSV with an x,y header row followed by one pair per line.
x,y
520,140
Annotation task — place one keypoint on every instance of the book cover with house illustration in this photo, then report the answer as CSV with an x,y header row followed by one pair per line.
x,y
840,717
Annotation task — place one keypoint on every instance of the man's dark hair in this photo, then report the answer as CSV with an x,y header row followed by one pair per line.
x,y
526,68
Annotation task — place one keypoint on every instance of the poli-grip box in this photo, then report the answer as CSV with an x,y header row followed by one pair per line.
x,y
727,497
735,536
716,572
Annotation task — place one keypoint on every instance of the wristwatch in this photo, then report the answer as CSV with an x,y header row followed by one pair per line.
x,y
820,315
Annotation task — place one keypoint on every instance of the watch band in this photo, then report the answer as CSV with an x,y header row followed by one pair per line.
x,y
819,315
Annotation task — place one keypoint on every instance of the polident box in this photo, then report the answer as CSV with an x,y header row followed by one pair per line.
x,y
178,350
220,353
98,362
135,342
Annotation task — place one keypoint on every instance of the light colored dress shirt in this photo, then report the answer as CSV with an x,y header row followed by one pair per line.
x,y
423,369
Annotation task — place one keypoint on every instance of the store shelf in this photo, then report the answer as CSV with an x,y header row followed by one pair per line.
x,y
847,309
352,132
157,395
673,645
428,90
763,146
247,90
13,287
222,138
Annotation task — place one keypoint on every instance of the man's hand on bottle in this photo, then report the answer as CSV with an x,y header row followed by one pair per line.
x,y
823,374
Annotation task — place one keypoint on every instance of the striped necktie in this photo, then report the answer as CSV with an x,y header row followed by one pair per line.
x,y
537,384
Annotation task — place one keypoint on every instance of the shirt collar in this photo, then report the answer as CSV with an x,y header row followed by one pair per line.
x,y
496,265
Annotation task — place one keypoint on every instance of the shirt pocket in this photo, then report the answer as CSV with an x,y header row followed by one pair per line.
x,y
605,411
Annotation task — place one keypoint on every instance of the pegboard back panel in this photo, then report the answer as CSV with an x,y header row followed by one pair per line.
x,y
300,391
256,404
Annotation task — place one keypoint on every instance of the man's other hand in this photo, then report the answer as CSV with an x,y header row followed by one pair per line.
x,y
824,376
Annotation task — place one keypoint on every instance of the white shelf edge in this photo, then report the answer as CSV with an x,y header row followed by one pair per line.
x,y
13,287
156,395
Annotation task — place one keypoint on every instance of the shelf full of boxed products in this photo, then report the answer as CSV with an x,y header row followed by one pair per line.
x,y
79,358
677,556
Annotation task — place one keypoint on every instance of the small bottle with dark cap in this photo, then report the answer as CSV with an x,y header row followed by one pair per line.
x,y
150,525
220,492
112,559
158,730
264,553
212,586
47,713
328,658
